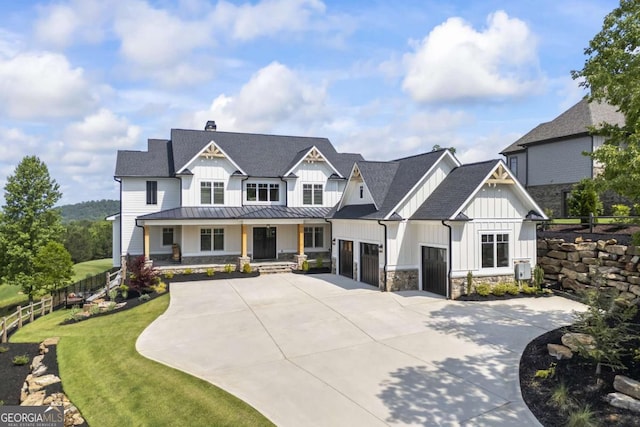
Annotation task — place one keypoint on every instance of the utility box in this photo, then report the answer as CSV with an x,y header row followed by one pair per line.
x,y
523,270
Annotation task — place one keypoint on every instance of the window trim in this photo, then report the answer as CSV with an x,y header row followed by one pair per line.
x,y
315,189
212,232
512,160
216,188
495,243
270,188
165,233
314,229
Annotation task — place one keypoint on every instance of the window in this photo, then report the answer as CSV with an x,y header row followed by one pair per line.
x,y
495,250
263,192
152,192
311,194
513,165
361,191
211,239
313,237
211,191
167,236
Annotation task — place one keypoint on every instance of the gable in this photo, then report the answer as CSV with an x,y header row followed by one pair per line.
x,y
305,160
352,191
208,153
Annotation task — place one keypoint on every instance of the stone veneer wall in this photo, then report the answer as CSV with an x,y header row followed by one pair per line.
x,y
217,259
583,265
551,197
459,284
401,280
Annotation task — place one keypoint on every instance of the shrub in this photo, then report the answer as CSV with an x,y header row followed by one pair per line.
x,y
469,282
144,297
113,293
4,349
124,291
246,268
529,290
188,271
546,373
622,211
512,288
561,398
143,276
73,314
168,275
584,200
319,262
160,288
538,276
583,417
635,238
94,309
21,360
499,290
483,289
210,272
305,265
228,268
111,306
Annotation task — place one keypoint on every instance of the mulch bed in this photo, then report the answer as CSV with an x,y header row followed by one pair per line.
x,y
218,275
313,270
13,376
578,375
569,232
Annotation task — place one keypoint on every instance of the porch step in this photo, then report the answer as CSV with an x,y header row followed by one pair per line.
x,y
275,268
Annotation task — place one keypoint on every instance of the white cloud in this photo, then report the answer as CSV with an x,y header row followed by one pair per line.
x,y
102,131
15,145
455,62
42,85
266,18
274,95
60,25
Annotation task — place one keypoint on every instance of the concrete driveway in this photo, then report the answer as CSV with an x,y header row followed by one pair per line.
x,y
327,351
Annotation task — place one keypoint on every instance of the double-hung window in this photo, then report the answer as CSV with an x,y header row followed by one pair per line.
x,y
311,194
212,192
313,237
513,165
263,192
495,250
152,192
211,239
167,236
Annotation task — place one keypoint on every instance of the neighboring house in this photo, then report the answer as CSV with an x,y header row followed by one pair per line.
x,y
549,159
421,222
424,222
208,197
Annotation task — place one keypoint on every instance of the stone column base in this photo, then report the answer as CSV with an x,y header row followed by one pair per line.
x,y
299,260
242,261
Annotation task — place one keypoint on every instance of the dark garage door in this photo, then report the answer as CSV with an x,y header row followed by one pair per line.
x,y
346,258
434,270
369,267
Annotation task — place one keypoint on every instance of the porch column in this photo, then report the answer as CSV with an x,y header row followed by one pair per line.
x,y
243,243
146,242
300,258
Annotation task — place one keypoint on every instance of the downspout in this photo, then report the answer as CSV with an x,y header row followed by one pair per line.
x,y
450,261
286,191
385,254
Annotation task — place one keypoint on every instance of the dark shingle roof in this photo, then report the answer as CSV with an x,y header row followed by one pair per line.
x,y
575,121
257,155
388,183
240,212
456,188
157,161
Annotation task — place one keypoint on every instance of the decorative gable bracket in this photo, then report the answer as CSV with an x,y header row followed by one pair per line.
x,y
314,156
500,176
212,151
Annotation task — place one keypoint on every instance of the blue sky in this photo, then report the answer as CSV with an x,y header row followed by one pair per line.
x,y
80,79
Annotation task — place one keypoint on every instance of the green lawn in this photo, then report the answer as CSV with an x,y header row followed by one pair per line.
x,y
113,385
90,268
10,295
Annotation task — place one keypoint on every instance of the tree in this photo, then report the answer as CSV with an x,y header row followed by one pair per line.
x,y
77,240
438,147
27,222
611,73
54,267
584,200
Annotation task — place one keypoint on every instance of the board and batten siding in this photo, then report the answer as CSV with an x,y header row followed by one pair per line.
x,y
352,194
358,231
559,162
134,204
426,187
499,201
407,238
216,169
314,173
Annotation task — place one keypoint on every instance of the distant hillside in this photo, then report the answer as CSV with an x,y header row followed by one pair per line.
x,y
92,210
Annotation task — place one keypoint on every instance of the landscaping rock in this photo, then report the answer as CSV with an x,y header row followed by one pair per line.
x,y
557,254
559,351
616,249
34,399
575,340
39,371
51,341
627,386
586,246
573,256
36,362
623,401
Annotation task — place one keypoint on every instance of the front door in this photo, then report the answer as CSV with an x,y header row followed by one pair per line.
x,y
434,270
264,243
369,264
346,258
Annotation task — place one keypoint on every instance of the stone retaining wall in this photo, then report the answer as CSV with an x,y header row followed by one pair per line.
x,y
582,265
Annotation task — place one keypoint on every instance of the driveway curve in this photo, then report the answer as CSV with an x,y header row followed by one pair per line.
x,y
328,351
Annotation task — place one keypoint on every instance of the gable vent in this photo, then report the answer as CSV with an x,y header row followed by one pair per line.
x,y
210,126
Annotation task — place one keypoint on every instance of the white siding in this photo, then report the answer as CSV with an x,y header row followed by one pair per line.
x,y
425,188
190,240
134,204
406,239
467,252
559,162
155,239
358,232
314,173
115,246
352,194
216,169
500,201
